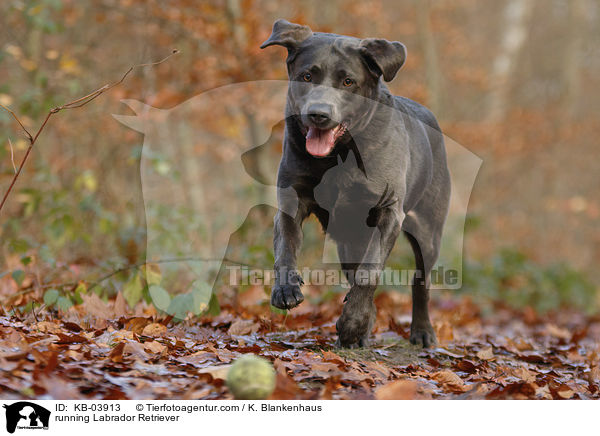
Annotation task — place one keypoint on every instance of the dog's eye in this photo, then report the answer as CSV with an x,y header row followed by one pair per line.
x,y
307,77
348,81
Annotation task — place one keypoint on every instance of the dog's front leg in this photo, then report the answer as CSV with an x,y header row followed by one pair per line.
x,y
358,316
287,240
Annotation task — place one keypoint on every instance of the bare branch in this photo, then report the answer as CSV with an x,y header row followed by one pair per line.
x,y
7,109
95,283
82,101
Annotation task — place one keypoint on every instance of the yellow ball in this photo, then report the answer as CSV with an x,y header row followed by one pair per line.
x,y
251,378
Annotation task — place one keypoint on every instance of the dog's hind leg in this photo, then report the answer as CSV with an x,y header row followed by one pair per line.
x,y
424,232
358,316
421,330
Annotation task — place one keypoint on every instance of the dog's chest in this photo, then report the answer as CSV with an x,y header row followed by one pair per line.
x,y
346,186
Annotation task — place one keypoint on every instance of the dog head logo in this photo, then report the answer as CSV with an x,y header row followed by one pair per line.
x,y
200,185
26,415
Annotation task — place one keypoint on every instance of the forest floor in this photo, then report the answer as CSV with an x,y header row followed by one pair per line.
x,y
102,350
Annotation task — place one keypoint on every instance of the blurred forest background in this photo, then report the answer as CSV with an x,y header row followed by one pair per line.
x,y
515,81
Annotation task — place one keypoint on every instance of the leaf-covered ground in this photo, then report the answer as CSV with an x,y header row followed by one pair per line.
x,y
104,350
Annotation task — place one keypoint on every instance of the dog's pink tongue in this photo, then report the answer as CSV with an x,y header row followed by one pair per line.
x,y
319,142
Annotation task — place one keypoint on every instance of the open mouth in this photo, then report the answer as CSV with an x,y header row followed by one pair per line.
x,y
320,142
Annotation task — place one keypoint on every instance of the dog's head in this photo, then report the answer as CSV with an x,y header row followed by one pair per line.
x,y
331,78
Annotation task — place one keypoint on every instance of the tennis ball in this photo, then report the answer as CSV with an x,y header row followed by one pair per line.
x,y
251,378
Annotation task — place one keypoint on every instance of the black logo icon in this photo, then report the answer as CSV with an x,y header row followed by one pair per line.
x,y
26,415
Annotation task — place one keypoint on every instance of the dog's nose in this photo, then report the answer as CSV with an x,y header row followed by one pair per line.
x,y
318,117
319,114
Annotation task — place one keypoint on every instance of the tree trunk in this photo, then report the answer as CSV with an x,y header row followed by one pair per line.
x,y
433,76
572,58
516,22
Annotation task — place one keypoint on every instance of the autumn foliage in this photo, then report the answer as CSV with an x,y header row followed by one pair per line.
x,y
515,82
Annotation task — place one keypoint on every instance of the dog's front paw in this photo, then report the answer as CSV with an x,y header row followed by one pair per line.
x,y
353,329
286,296
422,335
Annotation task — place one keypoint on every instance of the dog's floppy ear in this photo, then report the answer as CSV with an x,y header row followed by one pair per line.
x,y
384,58
288,35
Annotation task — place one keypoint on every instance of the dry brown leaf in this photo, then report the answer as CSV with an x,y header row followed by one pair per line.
x,y
375,368
135,349
223,354
120,306
286,387
486,353
594,375
59,389
397,390
243,327
543,393
70,339
38,357
116,354
216,371
450,380
93,305
523,345
330,356
565,392
524,374
324,366
74,355
466,366
197,358
137,324
155,329
444,332
46,327
155,347
558,332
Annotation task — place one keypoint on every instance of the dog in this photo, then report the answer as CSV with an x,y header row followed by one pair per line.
x,y
339,106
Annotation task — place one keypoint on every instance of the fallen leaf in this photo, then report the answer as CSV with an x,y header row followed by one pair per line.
x,y
93,305
137,324
70,339
285,386
558,332
155,347
116,354
46,327
329,356
519,345
486,353
120,306
444,332
520,390
450,380
216,371
59,389
397,390
135,349
71,326
198,358
243,327
155,329
524,374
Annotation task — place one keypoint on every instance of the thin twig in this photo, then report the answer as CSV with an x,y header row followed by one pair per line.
x,y
114,273
12,155
169,260
82,101
18,121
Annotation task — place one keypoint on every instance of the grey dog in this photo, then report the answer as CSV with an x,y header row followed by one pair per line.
x,y
339,108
